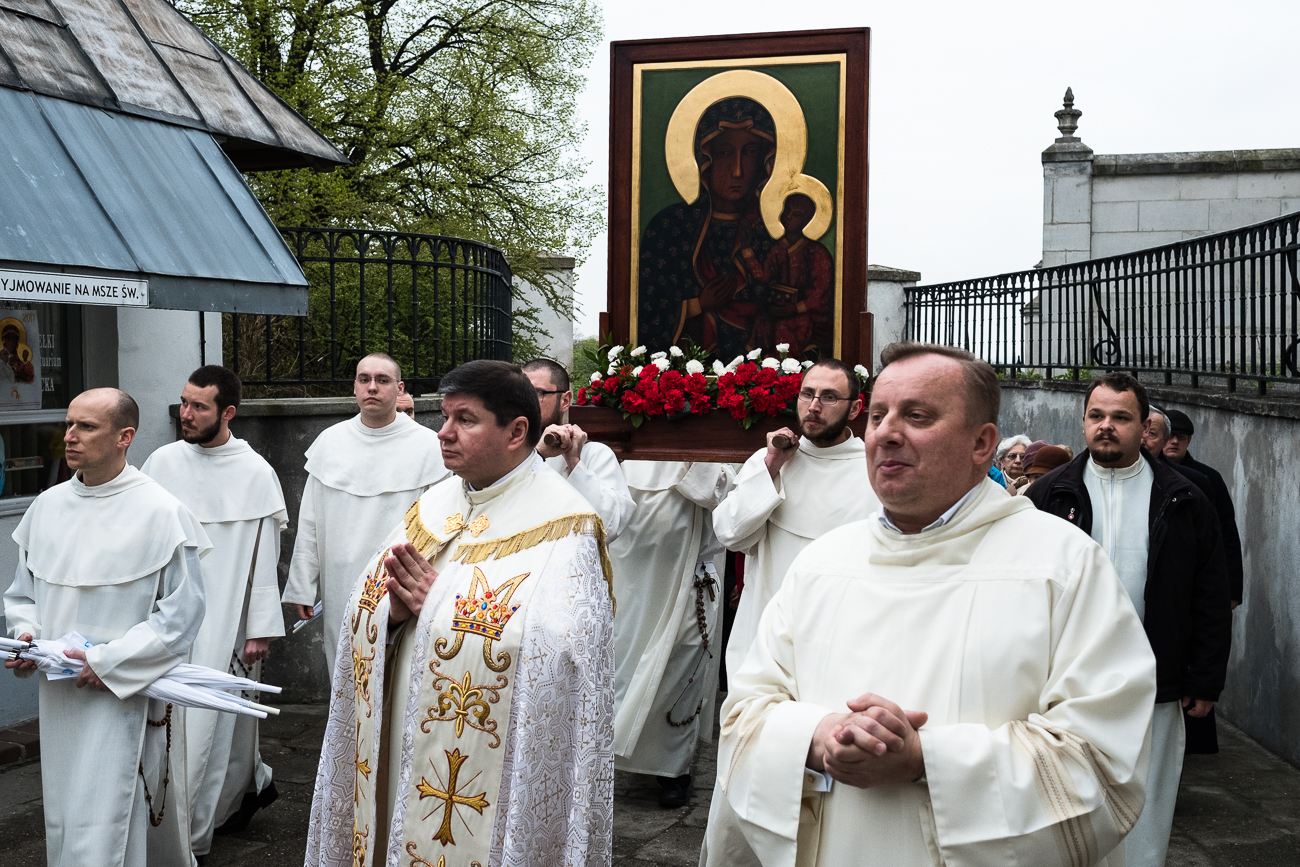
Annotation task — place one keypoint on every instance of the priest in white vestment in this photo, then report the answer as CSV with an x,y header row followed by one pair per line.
x,y
113,556
922,693
236,495
592,468
785,498
476,722
363,474
667,646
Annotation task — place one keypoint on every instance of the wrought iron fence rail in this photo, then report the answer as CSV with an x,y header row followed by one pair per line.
x,y
1225,305
430,301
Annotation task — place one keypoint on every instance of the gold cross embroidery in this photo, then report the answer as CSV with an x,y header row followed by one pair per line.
x,y
451,796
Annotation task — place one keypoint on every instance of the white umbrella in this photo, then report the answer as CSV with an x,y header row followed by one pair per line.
x,y
194,685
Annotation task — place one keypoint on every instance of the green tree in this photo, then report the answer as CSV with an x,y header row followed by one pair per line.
x,y
583,365
459,118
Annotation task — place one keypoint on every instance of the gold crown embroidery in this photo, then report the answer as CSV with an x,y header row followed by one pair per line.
x,y
376,587
484,611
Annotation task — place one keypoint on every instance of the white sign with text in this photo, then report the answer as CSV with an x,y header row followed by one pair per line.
x,y
73,289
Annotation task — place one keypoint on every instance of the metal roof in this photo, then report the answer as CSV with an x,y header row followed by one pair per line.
x,y
101,192
145,58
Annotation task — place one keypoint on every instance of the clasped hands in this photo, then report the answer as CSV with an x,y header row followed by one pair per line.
x,y
572,439
409,578
875,744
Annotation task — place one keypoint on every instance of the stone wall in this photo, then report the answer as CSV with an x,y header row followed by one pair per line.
x,y
280,431
886,293
1098,205
1255,444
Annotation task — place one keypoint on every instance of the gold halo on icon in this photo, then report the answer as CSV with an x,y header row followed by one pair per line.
x,y
791,146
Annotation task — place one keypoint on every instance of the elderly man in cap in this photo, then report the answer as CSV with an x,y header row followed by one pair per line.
x,y
1202,732
1177,450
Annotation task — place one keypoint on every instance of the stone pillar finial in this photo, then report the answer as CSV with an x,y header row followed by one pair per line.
x,y
1067,119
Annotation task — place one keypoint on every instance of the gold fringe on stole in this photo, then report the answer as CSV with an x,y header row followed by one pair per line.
x,y
418,534
583,525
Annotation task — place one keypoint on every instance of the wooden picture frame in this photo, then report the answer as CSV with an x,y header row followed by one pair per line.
x,y
801,99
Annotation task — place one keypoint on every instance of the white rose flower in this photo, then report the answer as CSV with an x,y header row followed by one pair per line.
x,y
636,371
638,352
694,366
613,352
675,351
755,355
861,371
736,362
657,355
718,368
783,347
662,363
771,363
790,365
806,365
595,377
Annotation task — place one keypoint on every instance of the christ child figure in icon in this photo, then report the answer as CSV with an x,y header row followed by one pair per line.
x,y
801,275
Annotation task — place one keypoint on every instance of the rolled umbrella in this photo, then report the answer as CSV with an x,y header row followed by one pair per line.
x,y
192,687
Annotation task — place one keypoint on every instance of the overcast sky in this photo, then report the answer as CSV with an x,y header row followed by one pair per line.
x,y
961,103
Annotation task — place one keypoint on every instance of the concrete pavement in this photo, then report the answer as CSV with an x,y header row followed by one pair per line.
x,y
1240,808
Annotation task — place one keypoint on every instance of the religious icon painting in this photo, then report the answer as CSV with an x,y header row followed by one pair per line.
x,y
738,193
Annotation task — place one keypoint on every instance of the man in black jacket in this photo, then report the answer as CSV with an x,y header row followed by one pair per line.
x,y
1162,536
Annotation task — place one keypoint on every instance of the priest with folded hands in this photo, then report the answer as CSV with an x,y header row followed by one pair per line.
x,y
111,555
918,692
475,722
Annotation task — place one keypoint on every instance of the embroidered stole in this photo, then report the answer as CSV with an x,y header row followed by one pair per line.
x,y
464,657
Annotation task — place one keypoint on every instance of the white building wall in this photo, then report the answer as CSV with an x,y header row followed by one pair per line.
x,y
157,350
1134,212
559,345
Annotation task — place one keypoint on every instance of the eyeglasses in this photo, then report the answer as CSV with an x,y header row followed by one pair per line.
x,y
542,394
366,379
1016,458
828,399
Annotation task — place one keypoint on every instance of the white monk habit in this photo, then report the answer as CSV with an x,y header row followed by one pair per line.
x,y
118,563
360,483
666,642
236,495
483,732
1034,670
771,520
599,478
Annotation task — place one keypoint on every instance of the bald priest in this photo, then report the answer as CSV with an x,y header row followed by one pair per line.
x,y
920,692
475,724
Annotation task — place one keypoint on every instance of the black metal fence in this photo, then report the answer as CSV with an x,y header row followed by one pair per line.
x,y
432,302
1225,306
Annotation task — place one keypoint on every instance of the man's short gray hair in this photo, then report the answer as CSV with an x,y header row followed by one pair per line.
x,y
1006,444
1169,426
